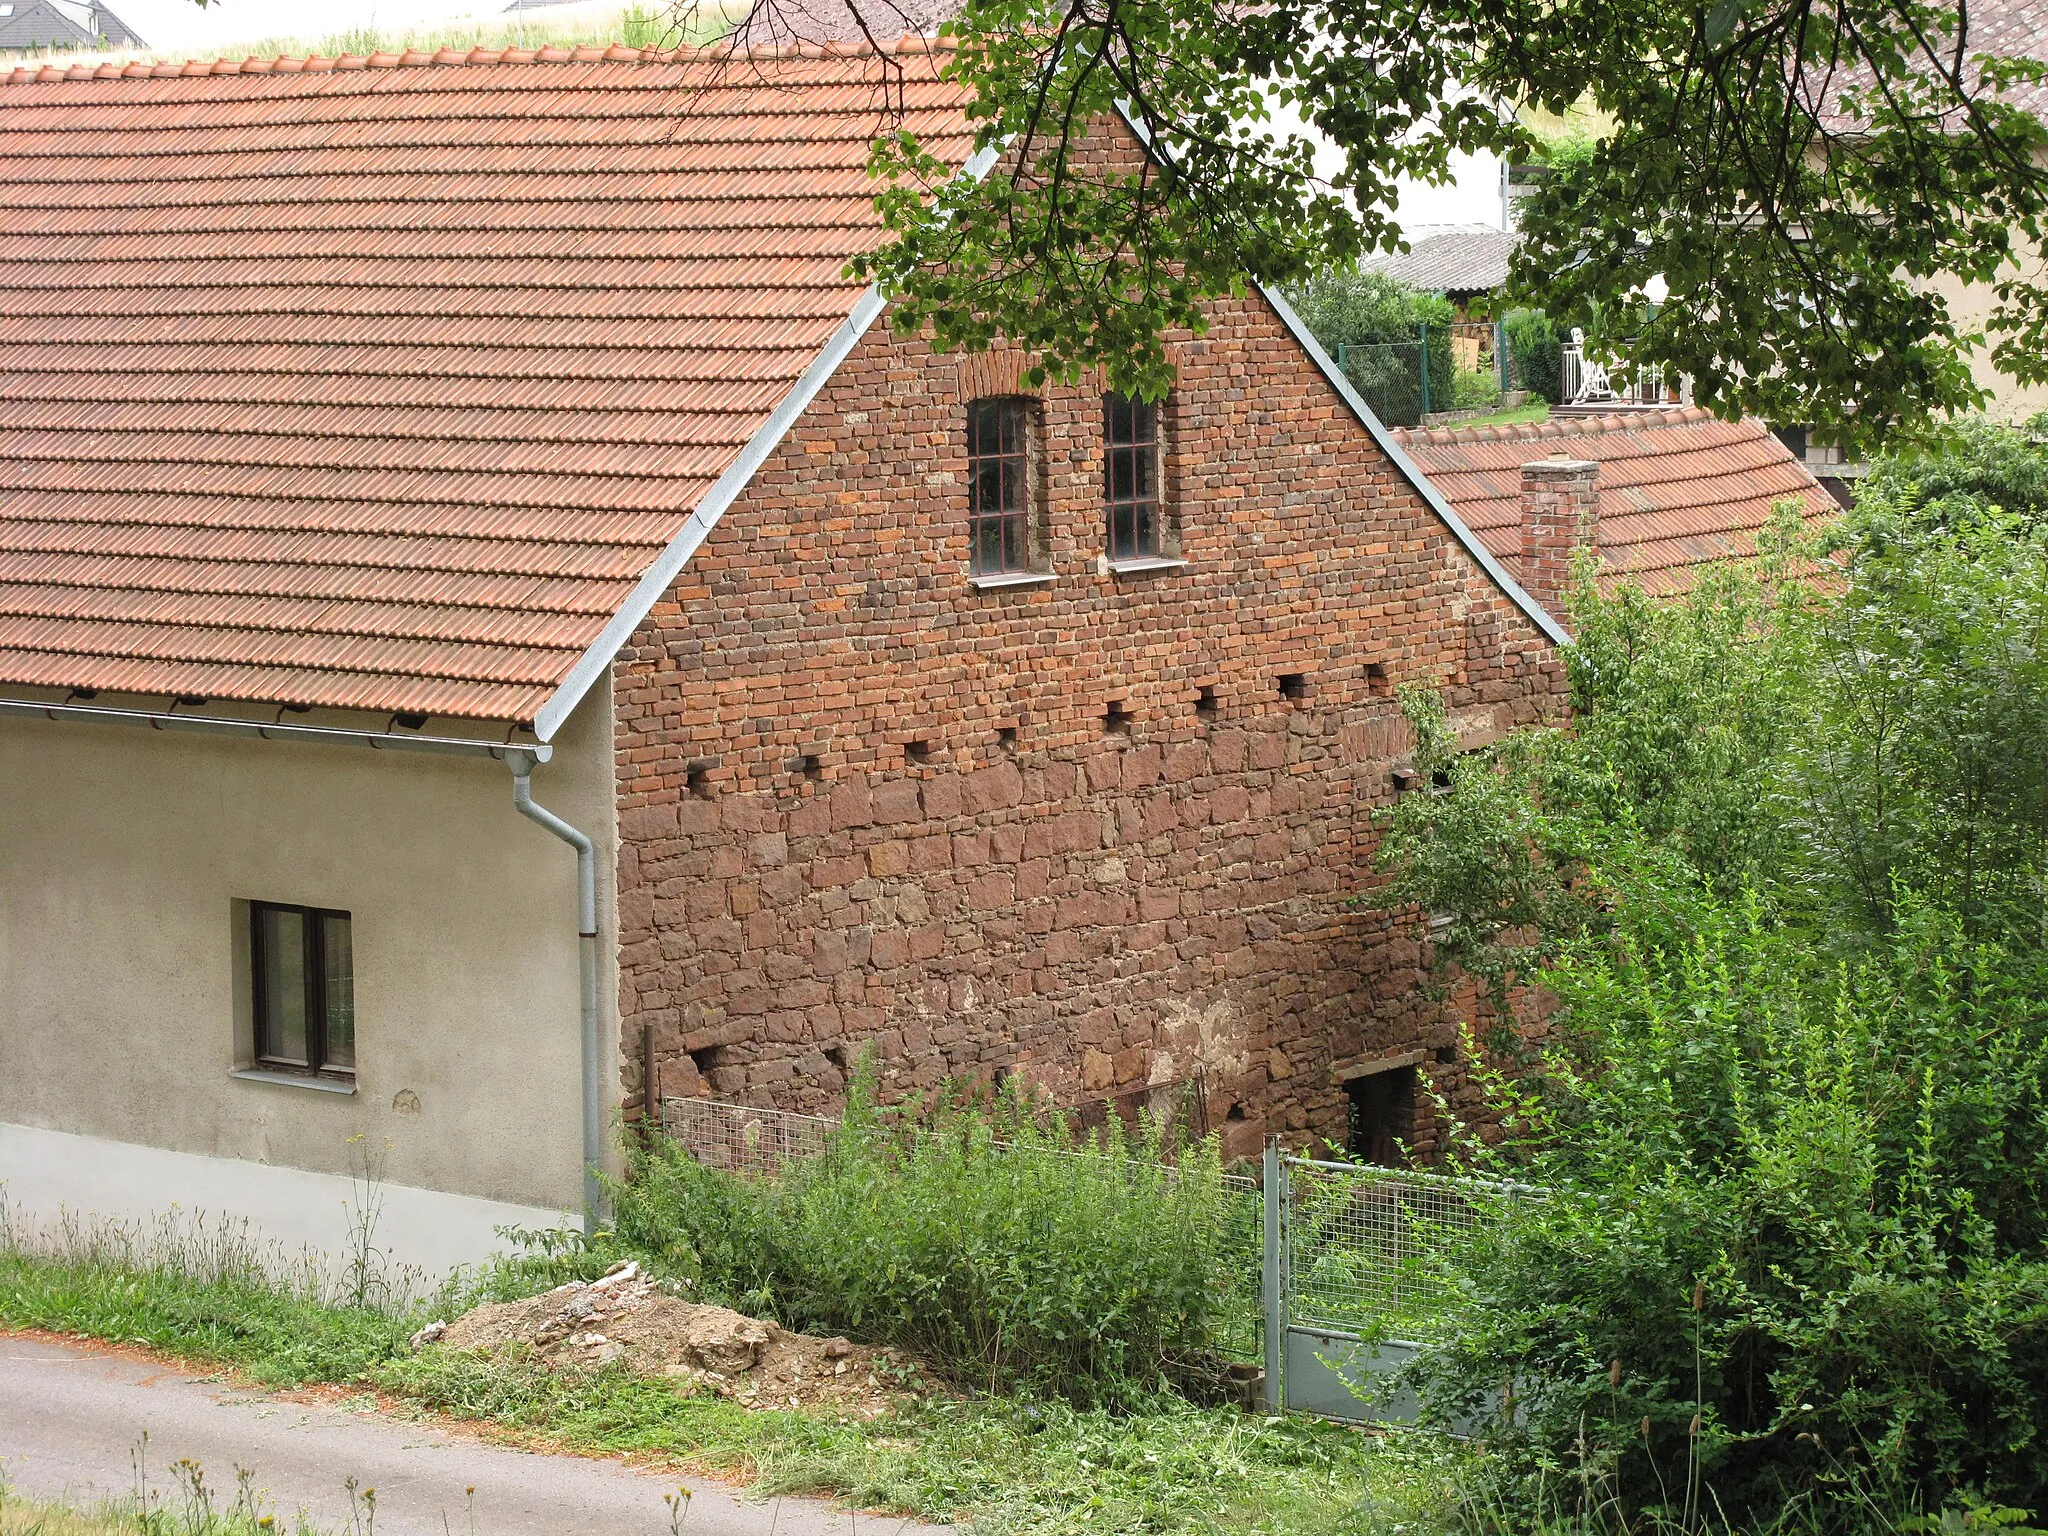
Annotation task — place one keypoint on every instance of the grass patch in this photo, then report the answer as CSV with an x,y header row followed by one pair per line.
x,y
1010,1466
1535,410
195,1509
1153,1468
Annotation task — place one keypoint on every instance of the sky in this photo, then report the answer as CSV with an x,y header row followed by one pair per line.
x,y
174,25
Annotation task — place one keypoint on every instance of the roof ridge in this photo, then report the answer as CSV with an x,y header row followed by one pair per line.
x,y
1564,426
415,58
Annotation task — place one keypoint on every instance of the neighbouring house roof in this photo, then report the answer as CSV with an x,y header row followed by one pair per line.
x,y
381,384
1450,258
1677,488
62,24
2011,29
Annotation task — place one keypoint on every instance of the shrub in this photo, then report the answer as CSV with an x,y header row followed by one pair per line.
x,y
1535,355
1374,324
1782,880
1002,1249
1793,1243
1475,387
1973,466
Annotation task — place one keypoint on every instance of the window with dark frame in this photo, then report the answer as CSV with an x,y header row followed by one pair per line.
x,y
1130,477
999,499
303,989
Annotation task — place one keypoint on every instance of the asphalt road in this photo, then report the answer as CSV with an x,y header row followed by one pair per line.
x,y
72,1416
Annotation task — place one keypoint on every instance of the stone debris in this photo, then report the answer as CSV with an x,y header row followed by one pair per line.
x,y
640,1323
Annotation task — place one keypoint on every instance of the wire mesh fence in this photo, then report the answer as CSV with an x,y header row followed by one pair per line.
x,y
742,1138
1381,1247
1460,366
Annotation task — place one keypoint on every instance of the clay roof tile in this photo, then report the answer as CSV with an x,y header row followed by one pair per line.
x,y
382,392
1678,487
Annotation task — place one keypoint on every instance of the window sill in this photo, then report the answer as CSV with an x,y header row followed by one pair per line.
x,y
1148,565
292,1080
1004,579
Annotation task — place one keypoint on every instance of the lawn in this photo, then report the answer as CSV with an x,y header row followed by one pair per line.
x,y
1004,1464
1535,410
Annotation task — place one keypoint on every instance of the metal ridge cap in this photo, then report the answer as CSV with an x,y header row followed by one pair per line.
x,y
268,730
415,58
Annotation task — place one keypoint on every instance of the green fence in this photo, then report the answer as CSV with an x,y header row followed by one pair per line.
x,y
1464,365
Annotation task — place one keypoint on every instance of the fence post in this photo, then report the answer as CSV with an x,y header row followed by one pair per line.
x,y
1424,324
1500,350
1272,1280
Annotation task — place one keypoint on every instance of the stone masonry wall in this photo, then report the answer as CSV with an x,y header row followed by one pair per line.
x,y
1103,833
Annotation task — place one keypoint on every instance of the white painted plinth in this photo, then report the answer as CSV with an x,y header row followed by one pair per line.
x,y
46,1175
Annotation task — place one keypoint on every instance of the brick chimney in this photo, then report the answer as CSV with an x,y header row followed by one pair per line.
x,y
1560,512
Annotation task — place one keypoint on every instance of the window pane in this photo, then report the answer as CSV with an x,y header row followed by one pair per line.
x,y
998,486
339,992
1130,476
280,944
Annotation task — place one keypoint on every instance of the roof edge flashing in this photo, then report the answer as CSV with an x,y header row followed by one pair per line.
x,y
1536,613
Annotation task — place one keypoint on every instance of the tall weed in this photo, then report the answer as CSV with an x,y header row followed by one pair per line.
x,y
1005,1248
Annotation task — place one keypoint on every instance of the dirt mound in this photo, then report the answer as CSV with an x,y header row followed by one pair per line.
x,y
629,1318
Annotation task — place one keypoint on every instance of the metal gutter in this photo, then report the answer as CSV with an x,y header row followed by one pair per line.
x,y
586,969
277,730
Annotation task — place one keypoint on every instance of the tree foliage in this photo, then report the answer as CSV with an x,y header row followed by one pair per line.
x,y
1763,153
1787,878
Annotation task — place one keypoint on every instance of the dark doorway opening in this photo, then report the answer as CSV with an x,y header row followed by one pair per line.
x,y
1382,1116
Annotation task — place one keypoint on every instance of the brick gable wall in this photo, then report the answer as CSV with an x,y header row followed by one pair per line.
x,y
1159,913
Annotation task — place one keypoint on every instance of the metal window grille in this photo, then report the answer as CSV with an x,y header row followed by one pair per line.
x,y
1130,476
999,486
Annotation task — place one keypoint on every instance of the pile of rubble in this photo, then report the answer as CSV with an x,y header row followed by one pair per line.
x,y
644,1325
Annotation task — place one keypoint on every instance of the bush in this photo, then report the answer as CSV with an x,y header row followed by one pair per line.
x,y
1004,1251
1783,880
1535,355
1793,1242
1972,467
1475,387
1374,325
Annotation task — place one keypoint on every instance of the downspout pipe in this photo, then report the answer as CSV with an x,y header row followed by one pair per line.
x,y
522,764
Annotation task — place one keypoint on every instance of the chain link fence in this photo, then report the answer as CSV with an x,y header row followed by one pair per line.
x,y
1361,1269
1460,366
742,1138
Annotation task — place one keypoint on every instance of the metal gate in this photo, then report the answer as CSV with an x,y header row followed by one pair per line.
x,y
1358,1273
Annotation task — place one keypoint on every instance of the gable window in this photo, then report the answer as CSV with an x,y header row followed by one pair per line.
x,y
1001,536
1130,478
302,988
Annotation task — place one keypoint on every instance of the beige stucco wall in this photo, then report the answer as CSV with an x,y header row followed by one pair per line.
x,y
122,854
1970,305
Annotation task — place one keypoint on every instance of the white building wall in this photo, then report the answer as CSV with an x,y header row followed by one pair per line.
x,y
123,856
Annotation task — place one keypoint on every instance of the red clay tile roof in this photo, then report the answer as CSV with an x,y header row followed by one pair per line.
x,y
1677,487
376,384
